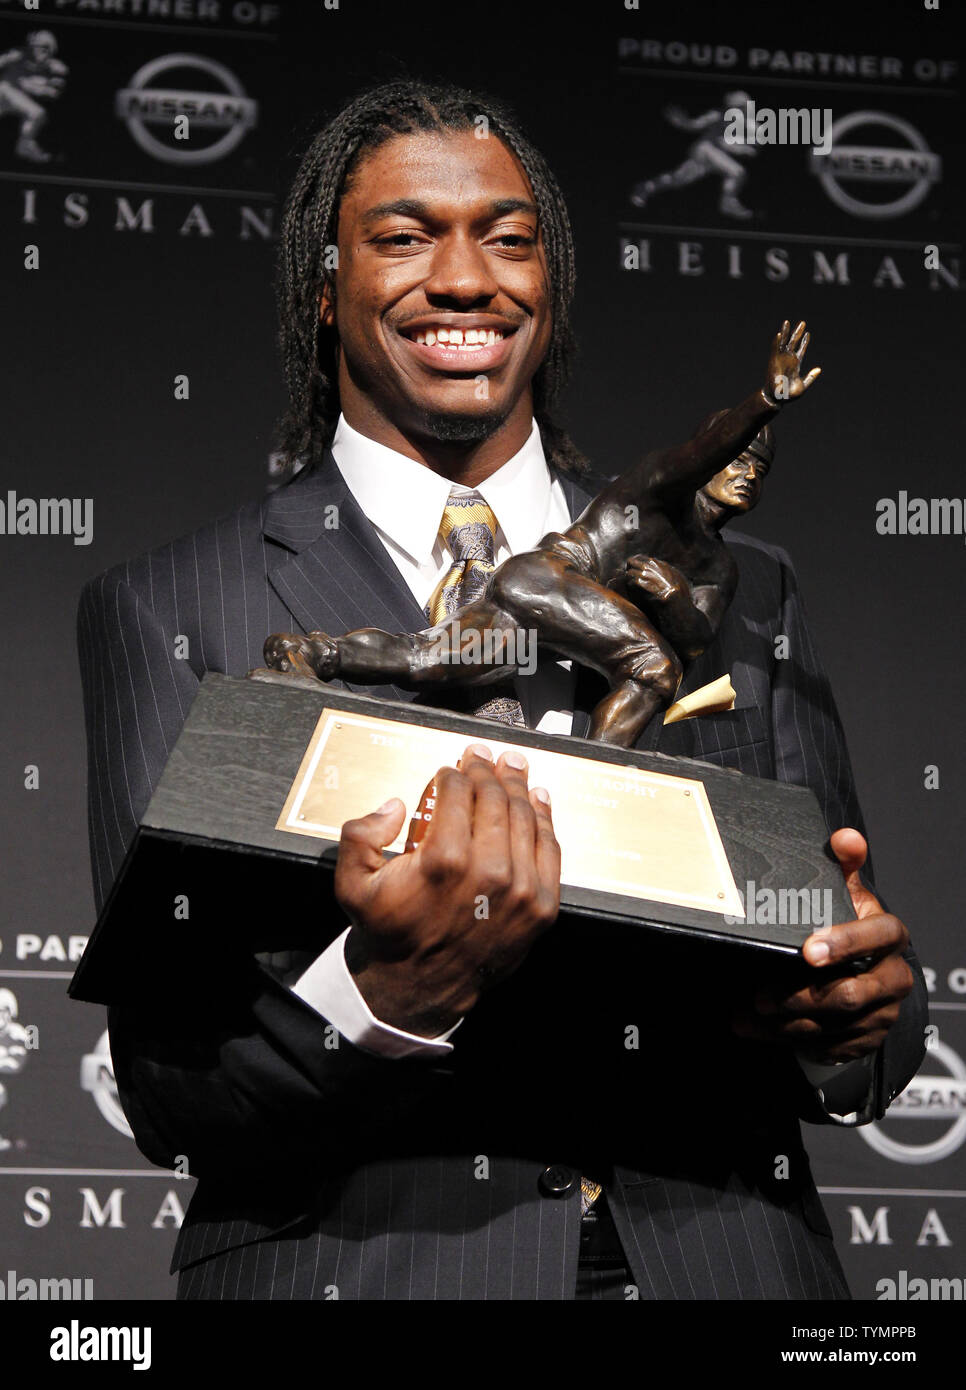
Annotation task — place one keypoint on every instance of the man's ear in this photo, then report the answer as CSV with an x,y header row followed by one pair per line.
x,y
327,306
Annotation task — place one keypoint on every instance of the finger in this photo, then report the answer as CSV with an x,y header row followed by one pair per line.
x,y
889,981
446,840
818,1043
547,850
793,340
475,751
813,375
875,936
522,827
490,848
802,346
360,848
851,850
835,1038
858,996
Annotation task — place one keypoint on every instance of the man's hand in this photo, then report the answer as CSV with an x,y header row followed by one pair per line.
x,y
838,1015
434,927
783,376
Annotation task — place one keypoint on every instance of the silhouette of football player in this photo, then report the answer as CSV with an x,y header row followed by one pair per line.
x,y
13,1045
713,153
26,75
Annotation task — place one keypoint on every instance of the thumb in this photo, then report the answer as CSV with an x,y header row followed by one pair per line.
x,y
361,845
851,850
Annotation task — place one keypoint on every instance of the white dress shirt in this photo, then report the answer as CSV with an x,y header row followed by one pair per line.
x,y
405,501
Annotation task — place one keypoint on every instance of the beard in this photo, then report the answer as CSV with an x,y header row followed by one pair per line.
x,y
447,427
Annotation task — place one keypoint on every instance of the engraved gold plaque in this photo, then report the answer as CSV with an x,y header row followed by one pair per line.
x,y
621,830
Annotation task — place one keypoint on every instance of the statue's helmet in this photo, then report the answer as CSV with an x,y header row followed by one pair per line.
x,y
8,1003
763,444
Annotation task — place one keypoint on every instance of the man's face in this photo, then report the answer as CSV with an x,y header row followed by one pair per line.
x,y
738,486
442,298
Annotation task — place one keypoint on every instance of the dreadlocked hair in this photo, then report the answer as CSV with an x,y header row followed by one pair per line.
x,y
310,231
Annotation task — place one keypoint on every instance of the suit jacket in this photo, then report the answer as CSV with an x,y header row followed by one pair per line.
x,y
325,1171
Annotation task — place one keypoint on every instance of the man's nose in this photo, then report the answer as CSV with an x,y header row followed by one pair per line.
x,y
460,272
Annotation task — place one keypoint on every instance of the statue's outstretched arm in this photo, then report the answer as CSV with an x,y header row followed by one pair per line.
x,y
672,474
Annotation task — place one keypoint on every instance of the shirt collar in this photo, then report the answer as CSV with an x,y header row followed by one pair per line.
x,y
406,500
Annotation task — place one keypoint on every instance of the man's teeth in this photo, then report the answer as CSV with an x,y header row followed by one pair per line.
x,y
459,338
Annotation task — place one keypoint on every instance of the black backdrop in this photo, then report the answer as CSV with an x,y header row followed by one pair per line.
x,y
150,267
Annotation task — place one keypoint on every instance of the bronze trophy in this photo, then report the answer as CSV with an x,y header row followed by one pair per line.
x,y
636,588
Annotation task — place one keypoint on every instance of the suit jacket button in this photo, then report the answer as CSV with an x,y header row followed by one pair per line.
x,y
559,1180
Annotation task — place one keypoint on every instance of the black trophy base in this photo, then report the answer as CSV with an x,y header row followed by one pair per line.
x,y
209,867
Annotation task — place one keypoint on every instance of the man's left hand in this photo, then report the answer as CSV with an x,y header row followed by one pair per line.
x,y
838,1015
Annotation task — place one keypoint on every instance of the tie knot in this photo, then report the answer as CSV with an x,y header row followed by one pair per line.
x,y
469,528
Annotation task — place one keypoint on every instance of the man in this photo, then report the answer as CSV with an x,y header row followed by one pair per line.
x,y
434,1106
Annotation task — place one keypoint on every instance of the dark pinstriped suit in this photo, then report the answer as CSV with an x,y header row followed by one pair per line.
x,y
327,1170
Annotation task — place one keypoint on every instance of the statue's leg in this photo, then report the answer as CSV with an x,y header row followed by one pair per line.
x,y
623,715
477,645
474,646
368,655
576,617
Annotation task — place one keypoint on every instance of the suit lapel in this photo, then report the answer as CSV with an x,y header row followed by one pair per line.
x,y
339,575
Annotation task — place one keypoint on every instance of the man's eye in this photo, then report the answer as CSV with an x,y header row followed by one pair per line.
x,y
399,239
514,240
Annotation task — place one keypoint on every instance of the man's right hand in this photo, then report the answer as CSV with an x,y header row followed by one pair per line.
x,y
435,927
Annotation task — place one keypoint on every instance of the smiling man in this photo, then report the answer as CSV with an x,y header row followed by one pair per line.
x,y
436,1106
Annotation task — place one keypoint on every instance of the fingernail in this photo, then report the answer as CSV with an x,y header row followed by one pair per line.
x,y
542,794
818,952
515,760
388,806
481,751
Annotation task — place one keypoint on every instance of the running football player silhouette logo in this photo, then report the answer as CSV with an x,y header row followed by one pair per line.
x,y
29,76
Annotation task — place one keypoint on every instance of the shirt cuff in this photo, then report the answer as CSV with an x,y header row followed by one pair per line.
x,y
329,989
842,1088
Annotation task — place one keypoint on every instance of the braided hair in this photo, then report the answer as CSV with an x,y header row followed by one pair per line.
x,y
310,231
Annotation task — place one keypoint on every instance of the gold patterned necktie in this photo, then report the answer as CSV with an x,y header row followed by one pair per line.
x,y
468,528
